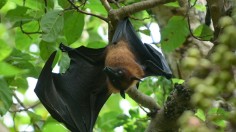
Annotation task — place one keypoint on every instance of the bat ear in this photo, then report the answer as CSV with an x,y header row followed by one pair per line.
x,y
122,93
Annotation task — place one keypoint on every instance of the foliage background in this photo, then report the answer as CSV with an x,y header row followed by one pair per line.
x,y
31,30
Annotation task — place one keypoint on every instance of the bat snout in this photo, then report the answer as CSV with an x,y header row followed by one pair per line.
x,y
110,72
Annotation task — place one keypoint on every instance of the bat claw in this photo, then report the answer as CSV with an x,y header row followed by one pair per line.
x,y
152,113
122,93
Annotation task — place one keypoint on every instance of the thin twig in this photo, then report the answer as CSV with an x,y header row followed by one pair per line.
x,y
191,32
18,100
28,33
87,13
195,2
14,124
143,108
140,19
189,26
116,3
25,108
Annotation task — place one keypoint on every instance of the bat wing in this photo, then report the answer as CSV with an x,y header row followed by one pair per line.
x,y
75,97
151,59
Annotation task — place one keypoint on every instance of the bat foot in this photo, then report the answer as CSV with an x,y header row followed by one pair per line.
x,y
152,113
64,48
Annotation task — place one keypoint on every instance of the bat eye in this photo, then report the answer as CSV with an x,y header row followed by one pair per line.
x,y
120,72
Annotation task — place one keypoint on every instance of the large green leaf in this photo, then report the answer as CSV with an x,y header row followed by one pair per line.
x,y
73,26
96,6
32,71
34,117
52,24
174,34
96,44
19,82
51,125
5,50
64,3
9,70
18,55
32,4
17,14
5,97
54,127
2,3
22,40
203,32
46,49
108,121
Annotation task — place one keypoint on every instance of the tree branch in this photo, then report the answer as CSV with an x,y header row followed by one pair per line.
x,y
106,5
87,13
216,10
142,99
25,108
114,15
176,104
117,14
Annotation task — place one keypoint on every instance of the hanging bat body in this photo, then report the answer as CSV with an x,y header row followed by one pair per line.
x,y
76,97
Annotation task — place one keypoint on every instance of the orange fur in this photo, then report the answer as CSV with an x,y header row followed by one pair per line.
x,y
119,56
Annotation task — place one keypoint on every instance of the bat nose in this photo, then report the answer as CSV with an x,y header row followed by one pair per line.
x,y
107,69
110,72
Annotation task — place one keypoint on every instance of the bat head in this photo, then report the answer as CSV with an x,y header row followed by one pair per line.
x,y
120,78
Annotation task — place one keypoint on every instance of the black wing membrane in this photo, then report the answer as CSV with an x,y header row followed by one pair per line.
x,y
151,59
75,97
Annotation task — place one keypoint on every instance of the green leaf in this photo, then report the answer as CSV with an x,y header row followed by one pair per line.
x,y
172,4
174,34
177,80
64,3
122,117
19,82
5,97
32,4
9,70
108,121
203,32
17,55
73,26
96,44
134,113
46,49
17,14
50,4
146,32
54,127
2,3
22,40
34,117
52,24
96,7
200,114
5,50
24,64
64,62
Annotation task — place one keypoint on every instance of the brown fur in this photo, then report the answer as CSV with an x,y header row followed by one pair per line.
x,y
119,56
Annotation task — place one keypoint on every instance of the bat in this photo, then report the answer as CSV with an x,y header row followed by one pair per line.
x,y
76,97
